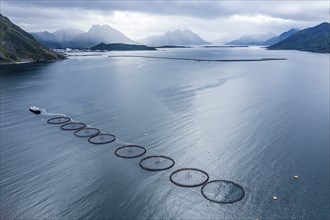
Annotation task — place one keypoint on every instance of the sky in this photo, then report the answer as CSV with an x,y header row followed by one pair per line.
x,y
215,21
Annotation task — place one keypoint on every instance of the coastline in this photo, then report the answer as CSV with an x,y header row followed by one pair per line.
x,y
301,50
29,61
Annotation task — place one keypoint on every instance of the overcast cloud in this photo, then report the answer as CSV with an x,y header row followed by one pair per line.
x,y
212,20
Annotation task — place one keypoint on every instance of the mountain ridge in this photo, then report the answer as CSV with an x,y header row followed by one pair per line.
x,y
313,39
281,37
101,34
75,38
252,39
19,46
175,38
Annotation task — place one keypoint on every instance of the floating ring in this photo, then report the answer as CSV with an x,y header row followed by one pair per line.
x,y
58,120
130,151
186,177
222,191
73,126
87,132
102,139
156,163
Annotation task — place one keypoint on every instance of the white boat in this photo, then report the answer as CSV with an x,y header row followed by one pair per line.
x,y
35,110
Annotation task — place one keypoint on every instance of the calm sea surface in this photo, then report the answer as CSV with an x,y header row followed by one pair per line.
x,y
254,123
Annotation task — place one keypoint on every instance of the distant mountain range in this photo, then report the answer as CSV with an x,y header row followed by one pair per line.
x,y
19,46
174,38
62,38
314,39
256,39
74,38
263,39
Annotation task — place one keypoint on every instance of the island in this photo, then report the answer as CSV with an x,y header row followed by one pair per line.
x,y
120,47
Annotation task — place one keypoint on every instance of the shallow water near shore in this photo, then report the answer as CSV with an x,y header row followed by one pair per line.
x,y
257,124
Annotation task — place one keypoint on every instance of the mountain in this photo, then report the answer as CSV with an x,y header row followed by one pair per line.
x,y
281,37
62,38
121,47
66,34
256,39
314,39
74,38
101,34
263,39
18,45
47,39
177,37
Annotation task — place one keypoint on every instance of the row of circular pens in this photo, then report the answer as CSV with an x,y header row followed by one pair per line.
x,y
219,191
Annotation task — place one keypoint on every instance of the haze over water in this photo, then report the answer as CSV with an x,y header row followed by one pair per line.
x,y
254,123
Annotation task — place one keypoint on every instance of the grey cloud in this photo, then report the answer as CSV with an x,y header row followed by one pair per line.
x,y
208,17
200,9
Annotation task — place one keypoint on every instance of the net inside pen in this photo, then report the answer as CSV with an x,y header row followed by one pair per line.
x,y
73,126
130,151
58,120
189,177
87,132
102,139
157,163
223,191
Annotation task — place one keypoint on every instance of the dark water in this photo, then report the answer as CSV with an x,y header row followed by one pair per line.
x,y
255,123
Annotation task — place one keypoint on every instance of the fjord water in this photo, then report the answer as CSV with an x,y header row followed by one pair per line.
x,y
254,123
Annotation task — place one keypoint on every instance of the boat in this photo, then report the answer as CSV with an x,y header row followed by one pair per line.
x,y
35,110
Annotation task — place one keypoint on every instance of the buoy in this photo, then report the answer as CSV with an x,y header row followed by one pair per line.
x,y
275,197
296,176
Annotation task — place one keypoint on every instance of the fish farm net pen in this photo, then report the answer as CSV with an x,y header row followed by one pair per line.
x,y
184,177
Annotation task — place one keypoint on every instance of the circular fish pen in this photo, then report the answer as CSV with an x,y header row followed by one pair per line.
x,y
156,163
222,191
87,132
217,191
130,151
73,126
58,120
189,177
102,139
